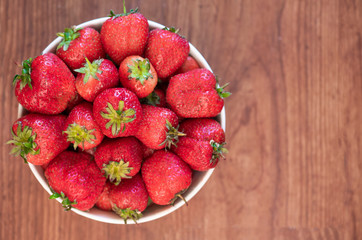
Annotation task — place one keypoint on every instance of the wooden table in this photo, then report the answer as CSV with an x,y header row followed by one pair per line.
x,y
294,121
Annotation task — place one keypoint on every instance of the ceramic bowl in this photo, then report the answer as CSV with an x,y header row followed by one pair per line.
x,y
153,211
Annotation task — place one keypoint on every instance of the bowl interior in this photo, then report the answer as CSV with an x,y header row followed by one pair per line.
x,y
153,211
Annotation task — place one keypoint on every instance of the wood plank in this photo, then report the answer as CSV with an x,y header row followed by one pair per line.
x,y
294,121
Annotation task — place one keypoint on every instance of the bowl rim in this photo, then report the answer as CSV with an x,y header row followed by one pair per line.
x,y
97,214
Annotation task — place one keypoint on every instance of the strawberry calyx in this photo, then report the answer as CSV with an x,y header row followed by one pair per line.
x,y
24,141
220,91
172,135
79,134
118,118
68,35
24,78
171,29
127,213
152,99
90,69
140,70
115,171
218,151
125,13
66,203
177,196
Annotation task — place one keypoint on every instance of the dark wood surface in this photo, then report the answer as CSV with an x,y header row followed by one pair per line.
x,y
294,121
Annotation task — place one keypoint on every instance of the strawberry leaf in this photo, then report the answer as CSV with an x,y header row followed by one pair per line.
x,y
127,213
24,142
118,118
90,69
152,99
68,36
140,70
24,78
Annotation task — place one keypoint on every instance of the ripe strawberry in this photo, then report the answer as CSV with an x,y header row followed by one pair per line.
x,y
78,44
189,64
156,98
81,129
117,112
124,35
138,75
119,158
158,128
203,145
104,202
95,77
194,94
129,198
46,85
167,51
76,179
166,177
38,138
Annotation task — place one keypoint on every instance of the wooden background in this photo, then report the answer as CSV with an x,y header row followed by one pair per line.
x,y
294,121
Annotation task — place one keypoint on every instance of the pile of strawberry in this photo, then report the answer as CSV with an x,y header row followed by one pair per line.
x,y
119,116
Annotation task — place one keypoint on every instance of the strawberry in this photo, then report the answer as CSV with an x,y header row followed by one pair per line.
x,y
124,34
46,85
203,145
104,202
194,94
158,128
119,158
76,179
95,77
167,51
129,198
138,75
189,64
117,112
38,138
81,129
156,98
78,44
166,177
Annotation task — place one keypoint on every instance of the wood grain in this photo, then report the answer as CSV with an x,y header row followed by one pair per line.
x,y
294,121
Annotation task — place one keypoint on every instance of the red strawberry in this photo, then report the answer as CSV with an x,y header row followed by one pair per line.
x,y
194,94
156,98
117,112
46,85
95,77
38,138
81,129
167,51
203,145
78,44
119,158
124,35
166,177
189,64
158,128
129,198
76,179
138,75
104,202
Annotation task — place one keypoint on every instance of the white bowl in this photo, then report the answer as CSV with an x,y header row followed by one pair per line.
x,y
153,211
